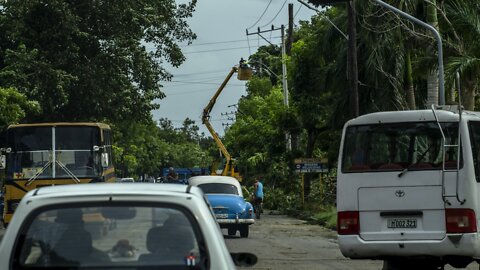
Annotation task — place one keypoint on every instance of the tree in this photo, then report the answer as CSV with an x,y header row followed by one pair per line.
x,y
14,107
462,34
257,136
146,148
89,60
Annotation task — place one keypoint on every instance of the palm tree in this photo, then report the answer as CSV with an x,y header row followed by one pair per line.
x,y
432,76
464,29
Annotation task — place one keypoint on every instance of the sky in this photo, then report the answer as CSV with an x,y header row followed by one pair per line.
x,y
221,41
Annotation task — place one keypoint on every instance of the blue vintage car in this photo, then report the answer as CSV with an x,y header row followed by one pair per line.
x,y
226,198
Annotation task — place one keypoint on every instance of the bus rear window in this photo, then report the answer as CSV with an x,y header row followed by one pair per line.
x,y
394,147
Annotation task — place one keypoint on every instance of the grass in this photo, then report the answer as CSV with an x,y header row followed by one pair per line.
x,y
326,217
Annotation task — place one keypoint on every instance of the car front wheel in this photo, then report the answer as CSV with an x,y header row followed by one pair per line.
x,y
244,231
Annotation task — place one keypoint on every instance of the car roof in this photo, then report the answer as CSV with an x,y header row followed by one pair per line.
x,y
207,179
114,189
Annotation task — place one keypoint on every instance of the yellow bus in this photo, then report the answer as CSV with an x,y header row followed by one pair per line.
x,y
46,154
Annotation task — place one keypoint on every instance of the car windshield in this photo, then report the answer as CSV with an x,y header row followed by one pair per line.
x,y
219,188
111,237
53,152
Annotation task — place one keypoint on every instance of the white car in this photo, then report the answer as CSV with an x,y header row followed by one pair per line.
x,y
127,180
226,198
149,226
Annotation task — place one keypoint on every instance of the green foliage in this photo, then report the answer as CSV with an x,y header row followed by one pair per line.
x,y
256,137
279,199
89,61
14,107
146,148
326,217
99,61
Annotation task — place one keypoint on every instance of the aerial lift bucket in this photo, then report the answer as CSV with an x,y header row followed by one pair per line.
x,y
244,72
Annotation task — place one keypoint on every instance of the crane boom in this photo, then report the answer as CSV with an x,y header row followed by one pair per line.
x,y
245,75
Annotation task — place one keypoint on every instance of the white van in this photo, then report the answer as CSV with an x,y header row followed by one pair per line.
x,y
408,188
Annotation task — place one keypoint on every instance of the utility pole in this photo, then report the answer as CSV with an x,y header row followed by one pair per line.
x,y
288,138
352,59
290,29
293,139
284,72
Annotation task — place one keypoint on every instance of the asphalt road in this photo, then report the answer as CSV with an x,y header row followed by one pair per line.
x,y
281,242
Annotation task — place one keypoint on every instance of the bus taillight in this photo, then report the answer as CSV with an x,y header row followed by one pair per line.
x,y
348,222
460,221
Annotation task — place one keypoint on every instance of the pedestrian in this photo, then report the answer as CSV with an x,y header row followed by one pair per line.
x,y
172,176
258,197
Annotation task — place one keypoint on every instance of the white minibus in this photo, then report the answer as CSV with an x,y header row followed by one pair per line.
x,y
408,188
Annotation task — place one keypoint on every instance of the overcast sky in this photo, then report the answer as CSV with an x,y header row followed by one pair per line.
x,y
220,26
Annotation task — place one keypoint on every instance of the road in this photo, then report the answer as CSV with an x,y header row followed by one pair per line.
x,y
281,242
286,243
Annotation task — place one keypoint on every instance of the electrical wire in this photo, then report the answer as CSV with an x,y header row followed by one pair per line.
x,y
261,16
203,80
212,43
196,73
197,82
151,47
276,15
218,50
225,49
296,13
187,92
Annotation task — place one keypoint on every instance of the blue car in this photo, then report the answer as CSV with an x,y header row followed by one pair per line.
x,y
226,198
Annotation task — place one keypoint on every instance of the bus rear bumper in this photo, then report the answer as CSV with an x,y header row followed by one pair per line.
x,y
465,245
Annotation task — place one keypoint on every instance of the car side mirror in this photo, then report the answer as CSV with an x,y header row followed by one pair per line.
x,y
2,162
104,160
244,259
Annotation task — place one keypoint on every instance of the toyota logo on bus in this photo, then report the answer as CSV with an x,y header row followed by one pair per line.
x,y
399,193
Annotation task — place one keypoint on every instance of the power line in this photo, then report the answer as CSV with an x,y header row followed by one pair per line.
x,y
196,73
296,13
218,50
206,43
213,42
200,79
261,16
283,5
188,92
197,82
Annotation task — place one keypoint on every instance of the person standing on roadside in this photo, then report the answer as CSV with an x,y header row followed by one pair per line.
x,y
258,197
172,176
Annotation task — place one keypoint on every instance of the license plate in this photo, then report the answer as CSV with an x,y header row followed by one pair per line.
x,y
403,223
221,215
